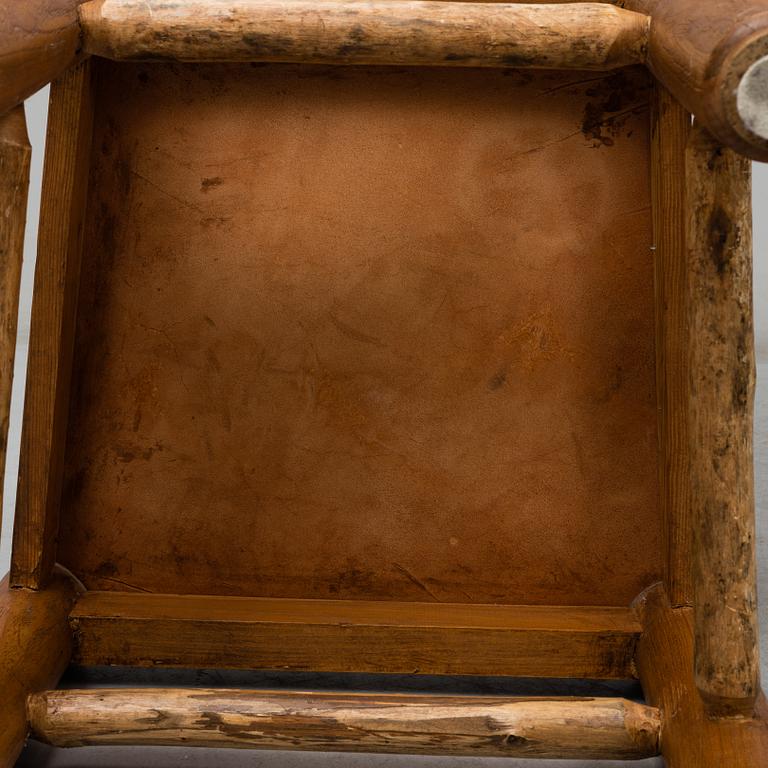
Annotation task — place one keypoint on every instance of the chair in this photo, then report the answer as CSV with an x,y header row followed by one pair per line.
x,y
392,337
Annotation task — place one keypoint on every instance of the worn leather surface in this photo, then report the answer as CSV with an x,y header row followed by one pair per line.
x,y
366,333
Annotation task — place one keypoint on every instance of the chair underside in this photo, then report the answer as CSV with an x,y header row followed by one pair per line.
x,y
389,368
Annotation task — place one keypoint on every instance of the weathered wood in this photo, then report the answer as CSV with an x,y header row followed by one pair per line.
x,y
362,722
39,39
670,127
53,317
35,646
591,36
714,56
15,154
352,636
722,375
690,738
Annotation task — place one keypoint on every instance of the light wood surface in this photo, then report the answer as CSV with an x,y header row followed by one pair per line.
x,y
722,378
412,723
690,737
352,636
593,36
53,313
35,648
15,155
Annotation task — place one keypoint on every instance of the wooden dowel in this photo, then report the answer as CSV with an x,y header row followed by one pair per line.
x,y
39,39
35,648
15,155
412,724
580,36
722,377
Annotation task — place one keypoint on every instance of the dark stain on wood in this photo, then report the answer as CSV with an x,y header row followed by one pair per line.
x,y
518,742
742,372
518,60
715,158
268,45
357,43
202,34
721,238
149,58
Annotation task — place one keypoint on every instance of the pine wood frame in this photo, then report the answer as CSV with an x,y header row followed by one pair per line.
x,y
697,664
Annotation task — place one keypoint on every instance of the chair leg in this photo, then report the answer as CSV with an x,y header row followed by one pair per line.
x,y
35,648
690,737
721,397
15,156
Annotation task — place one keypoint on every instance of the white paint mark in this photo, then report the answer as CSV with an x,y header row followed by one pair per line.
x,y
752,98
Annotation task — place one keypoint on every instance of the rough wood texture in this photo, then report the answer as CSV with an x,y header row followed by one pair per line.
x,y
352,636
593,36
35,646
382,370
690,738
669,134
53,316
722,375
412,724
15,154
702,52
39,39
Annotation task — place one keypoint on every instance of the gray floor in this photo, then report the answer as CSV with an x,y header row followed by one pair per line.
x,y
175,757
39,756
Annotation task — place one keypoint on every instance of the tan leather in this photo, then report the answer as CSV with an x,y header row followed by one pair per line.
x,y
366,333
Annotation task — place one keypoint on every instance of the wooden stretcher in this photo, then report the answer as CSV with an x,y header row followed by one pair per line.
x,y
394,337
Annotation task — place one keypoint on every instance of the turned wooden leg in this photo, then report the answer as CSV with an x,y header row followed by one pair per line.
x,y
722,376
699,664
35,648
690,737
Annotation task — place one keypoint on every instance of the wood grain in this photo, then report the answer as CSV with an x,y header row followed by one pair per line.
x,y
352,636
39,39
15,155
669,134
412,723
593,36
722,378
690,737
35,647
53,317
